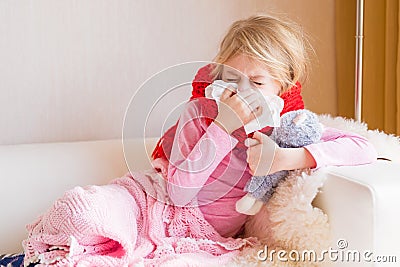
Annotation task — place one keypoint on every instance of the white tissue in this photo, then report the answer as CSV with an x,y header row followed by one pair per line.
x,y
272,106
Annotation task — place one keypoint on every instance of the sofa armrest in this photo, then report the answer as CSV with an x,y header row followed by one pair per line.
x,y
33,176
362,206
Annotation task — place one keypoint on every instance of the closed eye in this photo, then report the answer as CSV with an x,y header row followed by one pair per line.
x,y
257,83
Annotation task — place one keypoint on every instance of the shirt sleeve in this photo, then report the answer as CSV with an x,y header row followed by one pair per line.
x,y
340,148
197,150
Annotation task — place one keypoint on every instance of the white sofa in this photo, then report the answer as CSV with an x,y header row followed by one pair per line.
x,y
361,201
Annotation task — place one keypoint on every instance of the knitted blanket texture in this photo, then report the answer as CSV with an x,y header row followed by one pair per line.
x,y
126,223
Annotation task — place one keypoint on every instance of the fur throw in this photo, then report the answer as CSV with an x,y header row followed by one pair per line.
x,y
289,221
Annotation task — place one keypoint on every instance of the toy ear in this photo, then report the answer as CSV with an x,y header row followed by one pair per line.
x,y
300,119
248,205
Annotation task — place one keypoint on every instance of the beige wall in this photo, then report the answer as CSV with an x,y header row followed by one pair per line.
x,y
69,68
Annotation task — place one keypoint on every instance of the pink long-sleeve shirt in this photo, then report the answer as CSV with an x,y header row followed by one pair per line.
x,y
207,169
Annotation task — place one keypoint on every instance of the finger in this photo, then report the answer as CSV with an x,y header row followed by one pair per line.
x,y
251,169
250,94
251,99
253,155
248,157
258,136
244,94
231,88
253,159
267,141
251,152
258,112
249,142
247,107
255,114
226,94
254,105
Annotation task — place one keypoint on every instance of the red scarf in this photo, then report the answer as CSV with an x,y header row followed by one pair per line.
x,y
292,101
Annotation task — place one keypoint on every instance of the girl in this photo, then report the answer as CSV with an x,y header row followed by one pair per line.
x,y
205,164
270,56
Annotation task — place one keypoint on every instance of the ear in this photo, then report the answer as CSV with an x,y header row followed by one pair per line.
x,y
248,205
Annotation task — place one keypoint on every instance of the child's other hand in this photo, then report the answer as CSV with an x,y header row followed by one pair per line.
x,y
262,155
236,110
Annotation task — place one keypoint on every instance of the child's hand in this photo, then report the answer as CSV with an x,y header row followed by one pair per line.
x,y
262,155
236,110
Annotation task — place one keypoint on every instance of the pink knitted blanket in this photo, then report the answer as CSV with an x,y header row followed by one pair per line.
x,y
120,225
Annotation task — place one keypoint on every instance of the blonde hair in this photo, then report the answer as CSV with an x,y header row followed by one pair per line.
x,y
280,44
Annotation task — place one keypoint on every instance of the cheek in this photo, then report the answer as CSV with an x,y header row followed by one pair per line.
x,y
276,88
273,90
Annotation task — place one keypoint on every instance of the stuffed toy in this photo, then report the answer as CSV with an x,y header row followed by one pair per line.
x,y
298,128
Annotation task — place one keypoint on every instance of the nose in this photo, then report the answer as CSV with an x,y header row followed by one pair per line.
x,y
244,84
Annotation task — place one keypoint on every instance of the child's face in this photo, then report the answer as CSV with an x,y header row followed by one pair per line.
x,y
249,73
